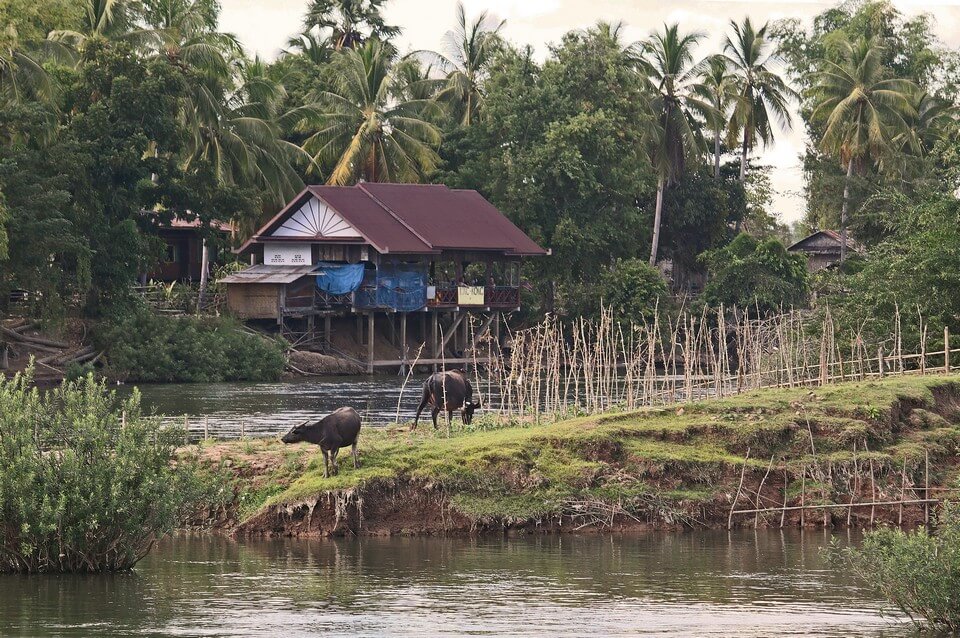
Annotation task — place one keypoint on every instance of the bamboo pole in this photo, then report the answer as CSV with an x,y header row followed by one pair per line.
x,y
915,501
743,472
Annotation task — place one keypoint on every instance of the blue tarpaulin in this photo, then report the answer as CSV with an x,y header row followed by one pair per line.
x,y
339,279
401,287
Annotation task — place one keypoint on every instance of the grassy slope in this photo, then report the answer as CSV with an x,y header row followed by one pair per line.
x,y
681,455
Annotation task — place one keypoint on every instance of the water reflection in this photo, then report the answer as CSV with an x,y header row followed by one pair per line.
x,y
714,584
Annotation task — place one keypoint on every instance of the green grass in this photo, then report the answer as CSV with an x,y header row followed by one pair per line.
x,y
688,455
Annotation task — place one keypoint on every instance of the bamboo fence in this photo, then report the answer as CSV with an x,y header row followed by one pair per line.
x,y
554,370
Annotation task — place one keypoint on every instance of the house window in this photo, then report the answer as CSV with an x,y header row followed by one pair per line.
x,y
172,254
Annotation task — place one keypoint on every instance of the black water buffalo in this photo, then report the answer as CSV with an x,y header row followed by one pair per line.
x,y
447,391
334,431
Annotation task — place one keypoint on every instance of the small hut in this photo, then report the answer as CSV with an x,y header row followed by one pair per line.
x,y
384,252
182,259
822,249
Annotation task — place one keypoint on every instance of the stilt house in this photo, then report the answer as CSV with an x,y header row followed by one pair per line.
x,y
384,251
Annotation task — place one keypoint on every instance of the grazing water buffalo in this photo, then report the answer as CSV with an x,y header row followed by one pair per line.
x,y
334,431
447,391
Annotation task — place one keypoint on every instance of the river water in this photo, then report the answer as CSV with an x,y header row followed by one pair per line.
x,y
764,583
266,409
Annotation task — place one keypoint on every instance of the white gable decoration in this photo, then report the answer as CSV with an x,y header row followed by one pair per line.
x,y
316,219
284,254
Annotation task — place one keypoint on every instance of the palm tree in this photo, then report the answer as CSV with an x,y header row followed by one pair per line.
x,y
22,78
672,136
719,89
108,20
864,110
365,133
469,50
762,93
351,22
188,35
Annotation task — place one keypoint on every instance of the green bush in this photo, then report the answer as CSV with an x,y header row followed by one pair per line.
x,y
760,275
917,571
142,346
633,289
87,483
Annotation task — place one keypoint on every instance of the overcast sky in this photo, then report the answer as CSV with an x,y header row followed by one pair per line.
x,y
264,25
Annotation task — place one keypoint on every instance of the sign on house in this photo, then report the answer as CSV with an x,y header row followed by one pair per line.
x,y
287,254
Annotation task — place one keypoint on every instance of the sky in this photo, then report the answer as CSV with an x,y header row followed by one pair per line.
x,y
263,26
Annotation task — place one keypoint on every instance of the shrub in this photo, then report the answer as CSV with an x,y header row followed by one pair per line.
x,y
633,289
142,346
87,483
755,274
917,571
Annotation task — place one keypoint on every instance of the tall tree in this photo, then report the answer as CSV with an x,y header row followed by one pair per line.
x,y
672,139
351,22
718,87
763,95
863,110
468,52
107,20
363,132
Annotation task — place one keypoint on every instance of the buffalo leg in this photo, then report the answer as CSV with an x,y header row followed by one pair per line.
x,y
333,460
356,459
326,463
436,411
423,404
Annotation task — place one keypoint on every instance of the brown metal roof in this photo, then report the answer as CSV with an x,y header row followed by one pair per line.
x,y
268,274
415,218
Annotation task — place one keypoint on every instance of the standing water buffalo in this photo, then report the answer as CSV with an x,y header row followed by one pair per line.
x,y
334,431
447,391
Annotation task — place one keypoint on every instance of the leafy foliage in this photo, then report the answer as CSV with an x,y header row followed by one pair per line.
x,y
141,346
752,274
918,571
86,481
634,290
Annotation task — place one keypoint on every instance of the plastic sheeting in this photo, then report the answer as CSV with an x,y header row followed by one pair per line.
x,y
339,279
401,287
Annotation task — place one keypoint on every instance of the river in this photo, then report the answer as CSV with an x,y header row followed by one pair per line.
x,y
266,409
764,583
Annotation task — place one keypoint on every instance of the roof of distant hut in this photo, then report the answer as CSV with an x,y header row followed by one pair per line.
x,y
823,242
397,218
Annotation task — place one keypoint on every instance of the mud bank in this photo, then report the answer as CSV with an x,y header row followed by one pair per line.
x,y
650,469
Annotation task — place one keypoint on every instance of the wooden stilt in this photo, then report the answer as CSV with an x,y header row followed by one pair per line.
x,y
403,342
733,506
327,341
946,349
371,326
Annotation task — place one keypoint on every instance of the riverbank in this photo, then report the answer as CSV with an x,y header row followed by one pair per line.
x,y
683,466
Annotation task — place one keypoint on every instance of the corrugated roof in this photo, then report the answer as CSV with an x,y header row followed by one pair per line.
x,y
415,218
268,274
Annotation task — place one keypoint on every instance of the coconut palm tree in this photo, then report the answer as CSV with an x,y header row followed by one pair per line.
x,y
108,20
468,52
672,137
22,78
364,132
718,87
351,22
763,95
188,35
864,110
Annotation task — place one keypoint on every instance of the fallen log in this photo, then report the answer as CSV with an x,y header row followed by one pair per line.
x,y
16,336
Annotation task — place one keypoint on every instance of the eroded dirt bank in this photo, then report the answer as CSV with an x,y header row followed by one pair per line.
x,y
662,468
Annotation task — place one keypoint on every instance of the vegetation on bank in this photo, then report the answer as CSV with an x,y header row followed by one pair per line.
x,y
143,346
678,464
916,570
87,483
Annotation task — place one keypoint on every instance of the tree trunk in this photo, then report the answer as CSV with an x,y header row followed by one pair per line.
x,y
743,157
204,268
716,154
656,223
844,212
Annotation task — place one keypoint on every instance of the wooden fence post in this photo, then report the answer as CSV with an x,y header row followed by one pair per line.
x,y
946,349
880,359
